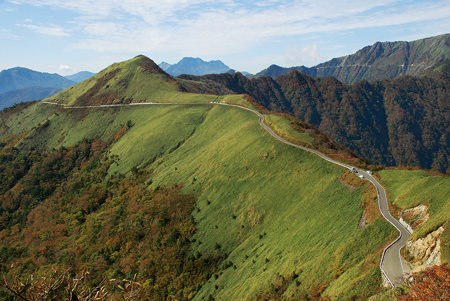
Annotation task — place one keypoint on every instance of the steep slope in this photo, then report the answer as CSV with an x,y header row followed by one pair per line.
x,y
379,61
256,201
137,80
389,122
256,198
19,78
197,200
194,66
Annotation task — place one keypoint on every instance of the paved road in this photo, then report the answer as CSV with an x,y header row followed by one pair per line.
x,y
391,263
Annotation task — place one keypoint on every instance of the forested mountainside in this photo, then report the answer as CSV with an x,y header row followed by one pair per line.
x,y
379,61
402,121
22,84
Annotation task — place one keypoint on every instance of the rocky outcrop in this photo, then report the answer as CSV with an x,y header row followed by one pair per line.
x,y
426,251
413,218
423,252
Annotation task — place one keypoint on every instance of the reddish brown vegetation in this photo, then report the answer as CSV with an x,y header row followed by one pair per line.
x,y
431,284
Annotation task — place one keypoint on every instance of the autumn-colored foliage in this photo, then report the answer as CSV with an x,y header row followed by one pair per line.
x,y
61,210
64,286
431,284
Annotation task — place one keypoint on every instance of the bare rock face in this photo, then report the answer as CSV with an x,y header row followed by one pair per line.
x,y
426,251
415,216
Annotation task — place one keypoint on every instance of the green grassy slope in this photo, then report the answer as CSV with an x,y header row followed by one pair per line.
x,y
272,208
410,188
280,215
290,198
135,80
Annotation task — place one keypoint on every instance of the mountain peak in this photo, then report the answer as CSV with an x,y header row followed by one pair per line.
x,y
195,66
149,65
135,80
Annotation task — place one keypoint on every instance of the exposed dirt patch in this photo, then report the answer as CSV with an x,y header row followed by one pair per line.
x,y
364,221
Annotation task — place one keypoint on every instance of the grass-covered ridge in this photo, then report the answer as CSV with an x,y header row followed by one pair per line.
x,y
272,209
135,80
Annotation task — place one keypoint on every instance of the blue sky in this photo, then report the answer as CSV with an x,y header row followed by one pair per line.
x,y
65,37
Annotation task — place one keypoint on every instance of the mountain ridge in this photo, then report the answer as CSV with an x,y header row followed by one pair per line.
x,y
10,98
363,116
79,76
137,80
194,66
197,201
19,77
378,61
22,84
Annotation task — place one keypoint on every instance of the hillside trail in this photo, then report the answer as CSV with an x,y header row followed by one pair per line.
x,y
391,264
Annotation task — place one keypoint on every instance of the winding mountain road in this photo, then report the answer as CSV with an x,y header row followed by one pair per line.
x,y
391,261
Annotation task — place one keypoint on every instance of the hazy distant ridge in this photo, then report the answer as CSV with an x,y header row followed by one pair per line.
x,y
19,78
80,76
194,66
10,98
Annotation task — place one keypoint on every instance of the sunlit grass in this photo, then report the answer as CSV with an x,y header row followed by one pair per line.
x,y
273,208
409,188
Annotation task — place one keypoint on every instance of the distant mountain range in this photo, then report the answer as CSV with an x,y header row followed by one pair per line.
x,y
194,66
22,84
80,76
381,60
10,98
19,78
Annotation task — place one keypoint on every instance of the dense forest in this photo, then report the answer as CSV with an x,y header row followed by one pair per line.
x,y
403,121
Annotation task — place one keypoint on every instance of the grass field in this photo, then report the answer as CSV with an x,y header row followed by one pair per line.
x,y
272,208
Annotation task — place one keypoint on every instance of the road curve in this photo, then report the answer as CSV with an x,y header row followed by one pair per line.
x,y
390,264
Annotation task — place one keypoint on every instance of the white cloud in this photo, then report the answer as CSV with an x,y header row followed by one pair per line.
x,y
307,55
202,27
65,68
52,30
